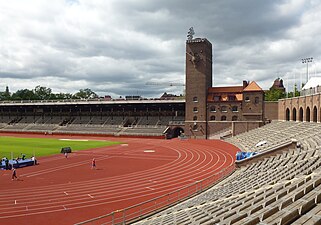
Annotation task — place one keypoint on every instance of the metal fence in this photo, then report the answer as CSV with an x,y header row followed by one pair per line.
x,y
141,210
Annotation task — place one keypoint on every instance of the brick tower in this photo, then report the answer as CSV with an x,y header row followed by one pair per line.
x,y
198,80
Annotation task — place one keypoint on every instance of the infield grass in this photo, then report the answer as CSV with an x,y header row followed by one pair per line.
x,y
13,147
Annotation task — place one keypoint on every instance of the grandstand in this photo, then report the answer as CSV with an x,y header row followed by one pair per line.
x,y
280,189
115,118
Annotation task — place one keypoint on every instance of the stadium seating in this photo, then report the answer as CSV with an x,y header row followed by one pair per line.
x,y
281,189
110,125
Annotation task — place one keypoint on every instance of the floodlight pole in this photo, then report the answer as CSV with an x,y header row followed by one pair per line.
x,y
307,60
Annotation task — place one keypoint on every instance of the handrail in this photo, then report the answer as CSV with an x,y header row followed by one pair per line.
x,y
152,206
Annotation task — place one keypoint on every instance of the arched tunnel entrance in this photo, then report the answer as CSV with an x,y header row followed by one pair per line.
x,y
174,132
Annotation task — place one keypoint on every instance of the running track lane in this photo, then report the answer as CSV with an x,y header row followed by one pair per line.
x,y
68,191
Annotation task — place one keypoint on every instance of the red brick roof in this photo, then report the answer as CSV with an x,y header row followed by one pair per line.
x,y
230,89
253,86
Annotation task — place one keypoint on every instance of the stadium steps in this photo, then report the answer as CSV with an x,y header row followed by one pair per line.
x,y
281,189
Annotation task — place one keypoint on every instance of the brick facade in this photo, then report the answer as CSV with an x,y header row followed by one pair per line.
x,y
208,109
198,80
303,108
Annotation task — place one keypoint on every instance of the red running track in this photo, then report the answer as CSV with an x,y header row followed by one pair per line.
x,y
67,191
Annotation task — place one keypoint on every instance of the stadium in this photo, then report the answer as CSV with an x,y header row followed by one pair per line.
x,y
176,161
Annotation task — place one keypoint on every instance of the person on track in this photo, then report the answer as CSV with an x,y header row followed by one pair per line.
x,y
66,155
14,174
93,164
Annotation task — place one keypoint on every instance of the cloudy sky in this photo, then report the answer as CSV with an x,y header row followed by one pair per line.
x,y
115,46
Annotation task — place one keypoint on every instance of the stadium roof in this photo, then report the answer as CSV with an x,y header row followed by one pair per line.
x,y
89,102
313,82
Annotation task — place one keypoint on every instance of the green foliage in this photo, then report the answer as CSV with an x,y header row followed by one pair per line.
x,y
24,94
274,94
44,146
44,93
85,94
294,93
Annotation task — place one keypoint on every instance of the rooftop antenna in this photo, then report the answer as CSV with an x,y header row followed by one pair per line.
x,y
190,34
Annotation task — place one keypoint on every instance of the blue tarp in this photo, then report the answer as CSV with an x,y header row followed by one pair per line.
x,y
20,163
244,155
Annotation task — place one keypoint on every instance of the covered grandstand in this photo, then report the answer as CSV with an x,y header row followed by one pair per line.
x,y
115,118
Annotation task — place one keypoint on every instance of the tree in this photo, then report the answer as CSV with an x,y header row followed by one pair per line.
x,y
274,94
294,93
5,95
24,94
85,94
61,96
42,93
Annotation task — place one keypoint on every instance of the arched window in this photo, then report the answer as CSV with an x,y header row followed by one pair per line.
x,y
307,116
223,118
287,114
224,109
234,118
294,114
195,99
212,118
195,118
315,114
301,115
195,126
195,110
213,109
234,109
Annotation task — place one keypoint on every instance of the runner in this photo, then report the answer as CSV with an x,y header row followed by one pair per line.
x,y
93,164
14,174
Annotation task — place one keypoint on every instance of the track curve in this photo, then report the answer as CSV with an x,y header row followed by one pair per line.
x,y
68,189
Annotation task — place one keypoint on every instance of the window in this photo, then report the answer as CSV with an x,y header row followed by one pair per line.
x,y
234,118
195,110
257,100
247,98
217,98
213,109
223,118
195,118
212,118
195,99
231,98
234,109
224,109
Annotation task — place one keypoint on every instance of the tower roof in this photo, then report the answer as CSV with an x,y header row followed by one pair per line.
x,y
253,86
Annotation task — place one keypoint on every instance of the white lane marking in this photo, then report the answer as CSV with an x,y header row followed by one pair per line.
x,y
150,188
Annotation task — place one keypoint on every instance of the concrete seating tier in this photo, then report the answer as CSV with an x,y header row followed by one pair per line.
x,y
103,124
281,189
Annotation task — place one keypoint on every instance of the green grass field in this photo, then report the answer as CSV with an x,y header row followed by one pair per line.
x,y
14,147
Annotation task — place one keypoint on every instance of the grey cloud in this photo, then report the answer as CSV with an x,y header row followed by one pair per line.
x,y
116,46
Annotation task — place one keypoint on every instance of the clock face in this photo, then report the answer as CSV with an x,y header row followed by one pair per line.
x,y
195,58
